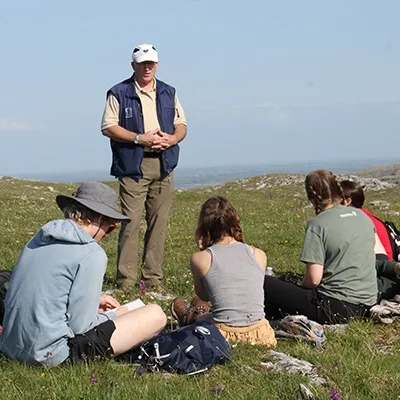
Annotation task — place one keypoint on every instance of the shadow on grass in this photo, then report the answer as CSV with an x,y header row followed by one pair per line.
x,y
109,282
291,277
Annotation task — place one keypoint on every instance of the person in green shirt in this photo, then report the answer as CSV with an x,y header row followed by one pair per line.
x,y
388,269
338,250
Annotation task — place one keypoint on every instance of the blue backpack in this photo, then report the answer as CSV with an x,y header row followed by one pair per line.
x,y
189,350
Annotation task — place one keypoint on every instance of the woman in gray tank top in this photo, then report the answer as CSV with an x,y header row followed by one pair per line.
x,y
229,274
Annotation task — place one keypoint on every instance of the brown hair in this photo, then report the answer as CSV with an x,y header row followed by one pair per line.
x,y
354,192
84,216
323,189
80,214
218,218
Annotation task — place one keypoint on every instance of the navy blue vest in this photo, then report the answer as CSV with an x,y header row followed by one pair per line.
x,y
127,157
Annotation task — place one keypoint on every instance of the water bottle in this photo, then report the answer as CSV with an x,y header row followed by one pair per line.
x,y
269,272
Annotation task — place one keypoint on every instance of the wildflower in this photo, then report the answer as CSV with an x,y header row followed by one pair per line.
x,y
335,394
93,379
142,285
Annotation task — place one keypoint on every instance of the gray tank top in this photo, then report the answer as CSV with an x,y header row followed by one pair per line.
x,y
235,285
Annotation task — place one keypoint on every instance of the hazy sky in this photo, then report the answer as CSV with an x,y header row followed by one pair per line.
x,y
261,81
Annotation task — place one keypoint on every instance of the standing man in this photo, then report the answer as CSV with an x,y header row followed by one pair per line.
x,y
145,122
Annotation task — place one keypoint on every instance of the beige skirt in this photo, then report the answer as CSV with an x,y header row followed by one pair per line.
x,y
259,333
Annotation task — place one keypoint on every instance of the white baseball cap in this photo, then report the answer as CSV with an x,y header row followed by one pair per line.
x,y
144,52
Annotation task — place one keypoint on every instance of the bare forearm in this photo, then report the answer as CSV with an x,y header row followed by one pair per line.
x,y
119,134
180,132
313,276
308,283
201,291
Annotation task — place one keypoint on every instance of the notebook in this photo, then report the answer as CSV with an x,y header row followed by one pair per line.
x,y
133,305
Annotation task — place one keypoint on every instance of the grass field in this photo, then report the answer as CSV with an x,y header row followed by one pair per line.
x,y
363,362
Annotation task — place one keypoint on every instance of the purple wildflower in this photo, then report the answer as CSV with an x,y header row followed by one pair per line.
x,y
93,379
142,285
335,394
217,389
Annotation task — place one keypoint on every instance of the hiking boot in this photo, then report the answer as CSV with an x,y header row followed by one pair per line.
x,y
179,310
197,308
197,302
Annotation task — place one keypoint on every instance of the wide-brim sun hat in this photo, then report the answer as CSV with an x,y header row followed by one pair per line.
x,y
96,196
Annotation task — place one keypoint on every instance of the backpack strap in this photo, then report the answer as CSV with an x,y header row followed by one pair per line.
x,y
394,237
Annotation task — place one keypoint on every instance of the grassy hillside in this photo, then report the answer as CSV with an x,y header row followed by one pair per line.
x,y
363,362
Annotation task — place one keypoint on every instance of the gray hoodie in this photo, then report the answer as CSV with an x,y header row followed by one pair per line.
x,y
53,294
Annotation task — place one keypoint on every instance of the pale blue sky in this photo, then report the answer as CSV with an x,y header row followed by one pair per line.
x,y
261,81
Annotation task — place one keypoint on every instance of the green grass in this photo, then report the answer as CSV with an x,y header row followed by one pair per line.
x,y
363,362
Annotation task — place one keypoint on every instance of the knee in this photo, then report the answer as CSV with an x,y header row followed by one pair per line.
x,y
158,316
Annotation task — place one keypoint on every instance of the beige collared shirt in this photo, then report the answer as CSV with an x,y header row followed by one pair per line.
x,y
149,110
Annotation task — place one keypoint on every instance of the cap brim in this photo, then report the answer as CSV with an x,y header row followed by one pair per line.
x,y
144,58
109,212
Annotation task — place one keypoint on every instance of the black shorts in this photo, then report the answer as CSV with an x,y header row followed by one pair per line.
x,y
91,344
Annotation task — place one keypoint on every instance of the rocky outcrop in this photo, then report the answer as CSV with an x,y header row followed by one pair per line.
x,y
266,181
370,183
387,173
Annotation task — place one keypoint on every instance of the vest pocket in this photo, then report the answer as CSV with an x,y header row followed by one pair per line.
x,y
171,158
169,114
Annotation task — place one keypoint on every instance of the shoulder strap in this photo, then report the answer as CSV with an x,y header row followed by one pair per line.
x,y
394,237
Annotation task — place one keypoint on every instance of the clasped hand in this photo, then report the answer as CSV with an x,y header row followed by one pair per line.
x,y
157,140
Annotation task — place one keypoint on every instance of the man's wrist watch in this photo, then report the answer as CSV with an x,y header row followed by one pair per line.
x,y
136,140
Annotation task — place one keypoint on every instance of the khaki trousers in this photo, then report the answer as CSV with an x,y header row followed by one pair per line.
x,y
259,333
154,192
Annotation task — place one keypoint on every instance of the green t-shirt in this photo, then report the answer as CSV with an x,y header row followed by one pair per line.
x,y
342,239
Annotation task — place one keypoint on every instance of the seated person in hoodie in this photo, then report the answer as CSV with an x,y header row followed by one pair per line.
x,y
54,309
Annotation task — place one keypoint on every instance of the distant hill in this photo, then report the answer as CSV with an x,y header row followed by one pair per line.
x,y
388,173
